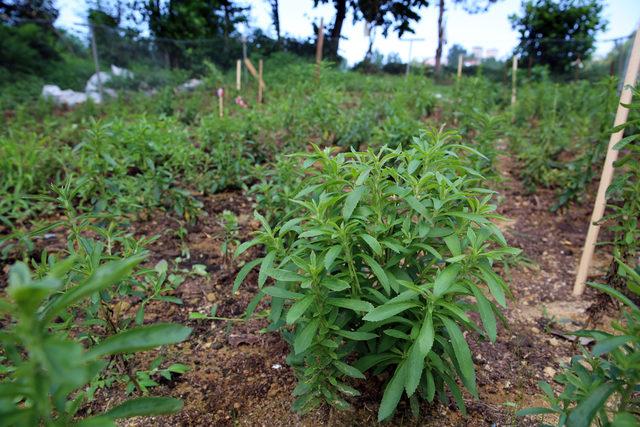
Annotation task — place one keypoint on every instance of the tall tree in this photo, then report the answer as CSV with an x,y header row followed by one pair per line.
x,y
275,16
558,33
470,6
455,51
386,14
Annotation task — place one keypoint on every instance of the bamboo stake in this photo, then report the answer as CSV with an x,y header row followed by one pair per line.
x,y
94,52
607,170
221,102
514,71
238,75
319,46
253,72
460,60
260,87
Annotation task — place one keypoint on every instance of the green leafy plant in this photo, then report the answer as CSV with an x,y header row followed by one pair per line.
x,y
47,368
600,387
378,269
229,223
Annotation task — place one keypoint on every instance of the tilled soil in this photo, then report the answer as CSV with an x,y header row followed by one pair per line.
x,y
238,371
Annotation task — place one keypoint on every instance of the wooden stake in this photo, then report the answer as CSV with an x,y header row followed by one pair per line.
x,y
238,75
253,72
460,60
260,87
607,170
319,46
220,94
514,71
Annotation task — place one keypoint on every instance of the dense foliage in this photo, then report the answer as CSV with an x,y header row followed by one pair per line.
x,y
385,256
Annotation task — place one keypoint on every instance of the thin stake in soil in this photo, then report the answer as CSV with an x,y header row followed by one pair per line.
x,y
260,85
253,72
607,170
319,48
460,60
514,72
238,75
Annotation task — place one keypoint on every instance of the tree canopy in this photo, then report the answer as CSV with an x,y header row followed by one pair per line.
x,y
558,33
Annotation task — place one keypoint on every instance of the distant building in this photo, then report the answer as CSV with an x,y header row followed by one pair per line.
x,y
491,53
477,51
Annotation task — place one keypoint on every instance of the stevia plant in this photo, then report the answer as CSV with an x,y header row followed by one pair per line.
x,y
600,386
44,369
378,271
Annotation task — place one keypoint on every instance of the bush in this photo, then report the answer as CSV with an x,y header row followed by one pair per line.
x,y
381,277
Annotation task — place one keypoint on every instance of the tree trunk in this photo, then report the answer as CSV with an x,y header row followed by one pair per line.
x,y
334,40
440,38
275,15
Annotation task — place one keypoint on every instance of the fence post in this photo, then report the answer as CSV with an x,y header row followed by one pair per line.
x,y
514,71
319,46
94,51
238,75
607,170
460,60
260,84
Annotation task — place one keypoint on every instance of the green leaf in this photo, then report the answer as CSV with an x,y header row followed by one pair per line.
x,y
387,310
373,243
244,271
141,338
494,283
609,344
348,369
392,393
335,284
298,309
416,206
445,279
616,294
277,292
463,354
265,267
285,275
105,276
378,271
305,337
351,304
415,366
331,256
585,411
356,335
145,406
289,225
244,246
426,335
534,411
351,201
453,243
486,313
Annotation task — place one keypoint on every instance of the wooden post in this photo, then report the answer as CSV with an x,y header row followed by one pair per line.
x,y
221,102
260,85
319,46
238,75
514,71
253,72
607,170
460,60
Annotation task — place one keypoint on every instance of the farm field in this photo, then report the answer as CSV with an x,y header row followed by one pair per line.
x,y
433,180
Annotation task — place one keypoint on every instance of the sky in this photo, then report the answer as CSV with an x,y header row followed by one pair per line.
x,y
487,30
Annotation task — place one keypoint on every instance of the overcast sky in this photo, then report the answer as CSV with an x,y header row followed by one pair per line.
x,y
488,30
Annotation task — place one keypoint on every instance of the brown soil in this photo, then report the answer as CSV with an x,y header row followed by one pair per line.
x,y
238,372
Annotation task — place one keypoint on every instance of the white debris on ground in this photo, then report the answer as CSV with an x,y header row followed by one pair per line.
x,y
71,98
276,366
190,85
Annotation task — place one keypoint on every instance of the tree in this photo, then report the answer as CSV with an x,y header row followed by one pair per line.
x,y
471,6
454,52
388,14
399,14
558,33
193,20
275,16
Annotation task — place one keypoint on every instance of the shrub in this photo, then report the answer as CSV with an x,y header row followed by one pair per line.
x,y
600,387
378,270
45,367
